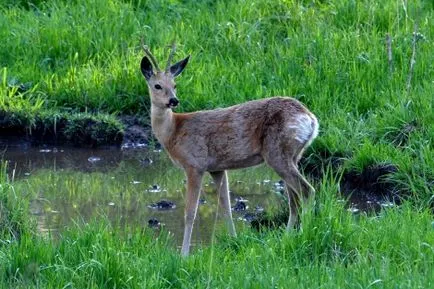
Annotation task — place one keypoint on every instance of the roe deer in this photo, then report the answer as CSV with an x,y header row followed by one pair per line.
x,y
275,130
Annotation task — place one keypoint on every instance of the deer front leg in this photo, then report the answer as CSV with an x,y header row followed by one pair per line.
x,y
194,181
221,180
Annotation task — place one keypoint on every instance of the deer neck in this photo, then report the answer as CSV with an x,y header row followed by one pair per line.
x,y
162,121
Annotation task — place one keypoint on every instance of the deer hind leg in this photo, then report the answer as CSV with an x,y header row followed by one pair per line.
x,y
299,190
194,181
221,180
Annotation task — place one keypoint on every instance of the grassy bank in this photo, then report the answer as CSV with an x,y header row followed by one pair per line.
x,y
84,55
25,113
335,249
75,65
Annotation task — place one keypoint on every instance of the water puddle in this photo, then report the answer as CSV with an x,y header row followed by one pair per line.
x,y
142,188
129,187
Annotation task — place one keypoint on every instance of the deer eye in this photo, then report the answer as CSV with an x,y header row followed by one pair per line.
x,y
174,86
157,86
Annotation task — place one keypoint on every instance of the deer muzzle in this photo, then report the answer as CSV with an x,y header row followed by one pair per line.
x,y
173,102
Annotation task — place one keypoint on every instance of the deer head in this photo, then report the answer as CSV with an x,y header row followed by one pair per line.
x,y
161,84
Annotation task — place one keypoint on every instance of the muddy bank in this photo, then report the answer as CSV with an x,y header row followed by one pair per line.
x,y
137,133
367,191
79,130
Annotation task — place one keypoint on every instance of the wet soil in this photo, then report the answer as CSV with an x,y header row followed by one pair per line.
x,y
371,189
366,191
163,205
317,163
131,132
137,133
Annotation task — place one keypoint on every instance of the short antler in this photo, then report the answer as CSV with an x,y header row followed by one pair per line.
x,y
151,57
172,53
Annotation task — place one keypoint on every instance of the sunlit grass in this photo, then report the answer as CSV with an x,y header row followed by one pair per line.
x,y
331,55
78,60
334,249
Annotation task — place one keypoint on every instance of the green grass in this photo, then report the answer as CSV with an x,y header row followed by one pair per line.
x,y
335,249
13,211
79,60
83,56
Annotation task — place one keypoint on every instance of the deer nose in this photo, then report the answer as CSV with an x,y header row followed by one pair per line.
x,y
173,101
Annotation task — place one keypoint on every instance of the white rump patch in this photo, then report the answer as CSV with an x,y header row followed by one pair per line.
x,y
305,127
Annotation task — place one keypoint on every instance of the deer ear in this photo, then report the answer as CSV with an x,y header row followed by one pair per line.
x,y
146,68
177,68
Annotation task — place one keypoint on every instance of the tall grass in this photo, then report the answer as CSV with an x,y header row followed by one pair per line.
x,y
334,249
14,220
84,56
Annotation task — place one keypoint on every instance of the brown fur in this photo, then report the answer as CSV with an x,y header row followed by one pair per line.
x,y
229,138
275,130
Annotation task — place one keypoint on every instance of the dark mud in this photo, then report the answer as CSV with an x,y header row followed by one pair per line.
x,y
367,191
154,223
162,205
371,189
316,164
79,130
240,205
367,188
137,133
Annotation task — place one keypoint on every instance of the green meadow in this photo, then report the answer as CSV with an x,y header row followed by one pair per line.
x,y
334,249
365,68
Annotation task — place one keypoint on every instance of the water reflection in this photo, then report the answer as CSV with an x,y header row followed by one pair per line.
x,y
137,188
126,186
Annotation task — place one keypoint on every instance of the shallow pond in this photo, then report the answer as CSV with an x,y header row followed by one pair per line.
x,y
68,186
136,187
